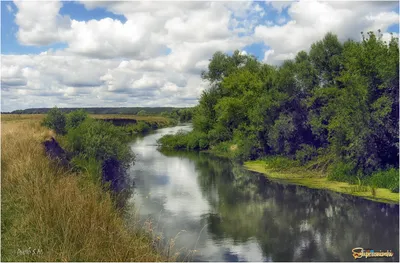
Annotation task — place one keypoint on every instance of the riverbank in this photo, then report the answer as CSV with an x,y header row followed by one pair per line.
x,y
299,175
50,213
318,180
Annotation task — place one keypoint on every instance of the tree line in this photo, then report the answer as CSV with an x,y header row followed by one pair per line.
x,y
105,110
336,105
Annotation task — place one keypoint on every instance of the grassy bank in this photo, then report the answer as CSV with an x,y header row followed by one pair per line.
x,y
150,119
53,214
375,187
319,180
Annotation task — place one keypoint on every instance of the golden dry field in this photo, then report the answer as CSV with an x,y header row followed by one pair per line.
x,y
52,214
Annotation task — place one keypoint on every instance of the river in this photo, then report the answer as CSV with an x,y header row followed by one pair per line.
x,y
226,213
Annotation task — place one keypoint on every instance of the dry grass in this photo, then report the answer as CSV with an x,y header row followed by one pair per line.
x,y
21,117
50,214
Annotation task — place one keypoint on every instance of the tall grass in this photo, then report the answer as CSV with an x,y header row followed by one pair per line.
x,y
51,214
386,179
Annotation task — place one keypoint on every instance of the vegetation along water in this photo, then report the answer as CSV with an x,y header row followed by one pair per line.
x,y
79,187
330,115
215,210
68,207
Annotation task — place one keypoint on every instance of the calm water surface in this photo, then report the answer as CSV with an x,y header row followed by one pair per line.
x,y
227,213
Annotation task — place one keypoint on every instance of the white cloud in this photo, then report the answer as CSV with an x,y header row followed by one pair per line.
x,y
267,54
279,5
311,20
43,29
9,8
155,58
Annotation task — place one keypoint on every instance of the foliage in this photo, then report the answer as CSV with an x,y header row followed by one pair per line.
x,y
343,171
336,106
281,162
55,120
100,140
75,118
142,113
139,127
59,213
306,153
386,179
185,140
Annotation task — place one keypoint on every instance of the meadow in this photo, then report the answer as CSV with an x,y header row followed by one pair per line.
x,y
51,213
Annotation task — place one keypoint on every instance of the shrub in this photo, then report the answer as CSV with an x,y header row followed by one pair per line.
x,y
219,134
142,126
185,141
197,141
75,118
343,171
306,153
386,179
142,113
55,120
139,127
177,141
100,140
281,162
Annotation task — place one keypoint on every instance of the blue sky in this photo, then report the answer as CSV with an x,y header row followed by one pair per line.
x,y
152,53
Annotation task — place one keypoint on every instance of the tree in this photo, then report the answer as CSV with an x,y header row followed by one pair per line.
x,y
55,120
74,118
142,113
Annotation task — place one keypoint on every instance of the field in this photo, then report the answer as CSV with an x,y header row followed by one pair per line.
x,y
17,117
52,214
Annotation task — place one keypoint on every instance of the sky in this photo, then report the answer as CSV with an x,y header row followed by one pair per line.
x,y
151,54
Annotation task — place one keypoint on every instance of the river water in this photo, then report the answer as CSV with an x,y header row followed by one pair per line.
x,y
221,212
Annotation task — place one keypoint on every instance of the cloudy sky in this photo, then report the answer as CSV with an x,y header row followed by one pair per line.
x,y
127,54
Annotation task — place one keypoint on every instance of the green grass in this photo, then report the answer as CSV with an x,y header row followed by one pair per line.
x,y
318,180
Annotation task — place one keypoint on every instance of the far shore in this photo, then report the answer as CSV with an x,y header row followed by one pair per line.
x,y
317,180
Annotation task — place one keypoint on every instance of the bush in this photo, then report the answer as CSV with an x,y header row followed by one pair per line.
x,y
139,127
386,179
226,149
219,134
185,141
142,126
306,153
281,163
100,140
344,172
75,118
55,120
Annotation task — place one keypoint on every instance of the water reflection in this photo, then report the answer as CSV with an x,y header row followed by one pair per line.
x,y
229,214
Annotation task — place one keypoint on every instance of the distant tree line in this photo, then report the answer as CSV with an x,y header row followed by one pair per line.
x,y
95,110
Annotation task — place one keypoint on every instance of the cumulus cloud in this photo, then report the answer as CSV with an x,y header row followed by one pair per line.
x,y
311,20
42,29
155,57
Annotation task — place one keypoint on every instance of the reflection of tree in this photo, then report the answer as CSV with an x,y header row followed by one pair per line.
x,y
291,223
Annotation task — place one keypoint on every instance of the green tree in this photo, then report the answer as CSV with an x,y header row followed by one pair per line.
x,y
142,113
56,120
74,118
